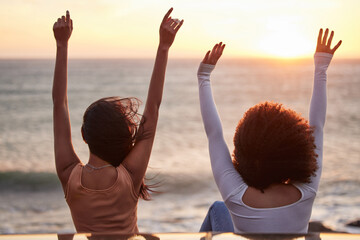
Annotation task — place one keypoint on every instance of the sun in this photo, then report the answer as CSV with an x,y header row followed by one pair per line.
x,y
283,38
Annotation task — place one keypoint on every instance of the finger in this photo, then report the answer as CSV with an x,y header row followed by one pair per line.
x,y
219,48
206,57
167,15
59,20
62,21
175,23
214,56
219,51
325,36
330,39
168,22
172,23
213,51
222,49
214,48
336,47
71,24
179,26
320,36
68,20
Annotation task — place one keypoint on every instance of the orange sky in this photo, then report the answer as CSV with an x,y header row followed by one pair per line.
x,y
129,29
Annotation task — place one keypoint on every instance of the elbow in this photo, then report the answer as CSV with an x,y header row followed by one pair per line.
x,y
54,99
152,106
57,100
317,124
59,104
156,105
152,112
214,133
317,129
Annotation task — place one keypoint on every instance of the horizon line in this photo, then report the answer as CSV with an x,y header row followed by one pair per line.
x,y
175,58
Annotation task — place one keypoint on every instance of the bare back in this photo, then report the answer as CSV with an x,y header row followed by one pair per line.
x,y
277,195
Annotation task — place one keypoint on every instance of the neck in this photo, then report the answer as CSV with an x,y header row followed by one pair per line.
x,y
96,161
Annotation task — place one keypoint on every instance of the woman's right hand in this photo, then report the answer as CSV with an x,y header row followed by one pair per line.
x,y
62,29
213,56
323,45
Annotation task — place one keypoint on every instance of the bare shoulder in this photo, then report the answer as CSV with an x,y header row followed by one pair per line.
x,y
65,172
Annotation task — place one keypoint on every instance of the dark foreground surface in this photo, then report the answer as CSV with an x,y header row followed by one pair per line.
x,y
183,236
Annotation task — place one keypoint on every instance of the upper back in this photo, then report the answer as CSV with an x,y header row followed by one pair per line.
x,y
271,212
98,210
95,179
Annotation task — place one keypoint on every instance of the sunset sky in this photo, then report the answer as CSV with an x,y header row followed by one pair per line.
x,y
129,29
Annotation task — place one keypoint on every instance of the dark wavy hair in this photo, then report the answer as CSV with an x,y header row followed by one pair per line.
x,y
111,128
274,145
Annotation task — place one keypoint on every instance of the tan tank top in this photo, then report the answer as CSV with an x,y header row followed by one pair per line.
x,y
110,210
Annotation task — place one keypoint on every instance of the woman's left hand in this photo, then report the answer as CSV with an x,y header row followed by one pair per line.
x,y
213,56
168,29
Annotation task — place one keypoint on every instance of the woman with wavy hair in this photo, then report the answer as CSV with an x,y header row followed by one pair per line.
x,y
270,182
103,194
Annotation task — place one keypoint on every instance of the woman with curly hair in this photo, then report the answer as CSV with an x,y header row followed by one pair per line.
x,y
270,183
103,194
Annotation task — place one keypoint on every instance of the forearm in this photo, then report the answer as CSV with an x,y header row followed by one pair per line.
x,y
210,116
319,99
157,81
59,92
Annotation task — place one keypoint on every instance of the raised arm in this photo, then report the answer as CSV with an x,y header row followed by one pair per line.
x,y
211,119
137,160
322,58
225,175
65,157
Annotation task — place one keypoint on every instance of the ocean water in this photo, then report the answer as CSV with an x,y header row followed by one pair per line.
x,y
31,199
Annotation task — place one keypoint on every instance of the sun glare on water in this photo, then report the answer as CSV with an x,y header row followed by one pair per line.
x,y
281,38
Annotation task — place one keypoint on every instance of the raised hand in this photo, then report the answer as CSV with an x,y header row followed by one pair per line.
x,y
323,45
213,56
62,29
168,29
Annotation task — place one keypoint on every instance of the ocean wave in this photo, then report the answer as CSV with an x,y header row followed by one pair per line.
x,y
348,188
164,183
185,183
173,183
28,181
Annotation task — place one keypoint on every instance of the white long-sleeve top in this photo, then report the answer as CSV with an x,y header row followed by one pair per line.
x,y
293,218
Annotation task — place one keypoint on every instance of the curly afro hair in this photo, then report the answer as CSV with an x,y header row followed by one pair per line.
x,y
274,145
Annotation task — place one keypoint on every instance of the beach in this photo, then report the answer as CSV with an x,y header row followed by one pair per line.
x,y
32,201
